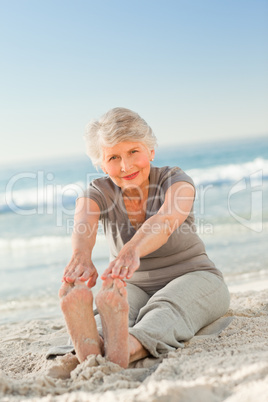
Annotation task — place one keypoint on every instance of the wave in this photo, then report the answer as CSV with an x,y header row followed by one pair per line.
x,y
40,197
43,198
231,173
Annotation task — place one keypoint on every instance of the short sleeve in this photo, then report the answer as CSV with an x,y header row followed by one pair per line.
x,y
174,175
95,194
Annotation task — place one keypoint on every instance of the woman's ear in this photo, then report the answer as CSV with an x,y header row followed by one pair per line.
x,y
152,154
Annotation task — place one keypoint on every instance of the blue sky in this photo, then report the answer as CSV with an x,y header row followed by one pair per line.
x,y
195,70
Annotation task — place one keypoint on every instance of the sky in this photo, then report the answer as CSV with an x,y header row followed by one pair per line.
x,y
195,70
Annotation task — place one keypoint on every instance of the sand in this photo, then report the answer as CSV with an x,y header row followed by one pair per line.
x,y
231,366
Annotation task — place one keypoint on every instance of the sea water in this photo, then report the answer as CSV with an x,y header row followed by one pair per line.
x,y
37,201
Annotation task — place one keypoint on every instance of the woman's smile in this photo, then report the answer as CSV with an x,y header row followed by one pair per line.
x,y
131,176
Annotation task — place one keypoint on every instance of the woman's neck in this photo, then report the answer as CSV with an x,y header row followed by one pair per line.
x,y
136,194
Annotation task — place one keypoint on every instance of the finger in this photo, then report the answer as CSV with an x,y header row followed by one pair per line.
x,y
68,269
107,272
91,283
65,274
75,273
68,279
130,272
117,270
124,272
92,280
85,276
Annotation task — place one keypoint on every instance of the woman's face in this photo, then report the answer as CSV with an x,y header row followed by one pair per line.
x,y
127,163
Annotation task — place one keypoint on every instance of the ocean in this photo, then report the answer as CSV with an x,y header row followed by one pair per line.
x,y
37,200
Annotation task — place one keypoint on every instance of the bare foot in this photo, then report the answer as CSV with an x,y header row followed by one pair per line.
x,y
112,305
77,307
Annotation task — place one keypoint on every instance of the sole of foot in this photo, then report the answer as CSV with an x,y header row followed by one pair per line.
x,y
77,307
113,308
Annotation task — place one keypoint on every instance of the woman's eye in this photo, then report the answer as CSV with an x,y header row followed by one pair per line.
x,y
133,151
112,158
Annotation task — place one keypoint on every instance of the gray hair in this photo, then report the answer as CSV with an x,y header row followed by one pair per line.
x,y
115,126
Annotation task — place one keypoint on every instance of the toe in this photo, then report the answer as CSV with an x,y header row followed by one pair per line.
x,y
123,291
64,289
118,283
107,283
119,286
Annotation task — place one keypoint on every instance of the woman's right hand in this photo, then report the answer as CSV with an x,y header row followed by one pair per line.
x,y
80,268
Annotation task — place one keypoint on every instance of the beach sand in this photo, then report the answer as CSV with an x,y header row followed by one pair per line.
x,y
231,366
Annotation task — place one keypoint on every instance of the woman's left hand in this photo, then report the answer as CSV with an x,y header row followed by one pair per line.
x,y
125,264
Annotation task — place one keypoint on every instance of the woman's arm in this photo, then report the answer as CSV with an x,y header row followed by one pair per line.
x,y
155,231
84,234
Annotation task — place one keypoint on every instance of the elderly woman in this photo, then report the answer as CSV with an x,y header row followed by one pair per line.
x,y
160,287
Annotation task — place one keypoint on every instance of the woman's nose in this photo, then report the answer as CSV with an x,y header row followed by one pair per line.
x,y
125,165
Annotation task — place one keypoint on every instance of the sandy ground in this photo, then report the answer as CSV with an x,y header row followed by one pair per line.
x,y
232,366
